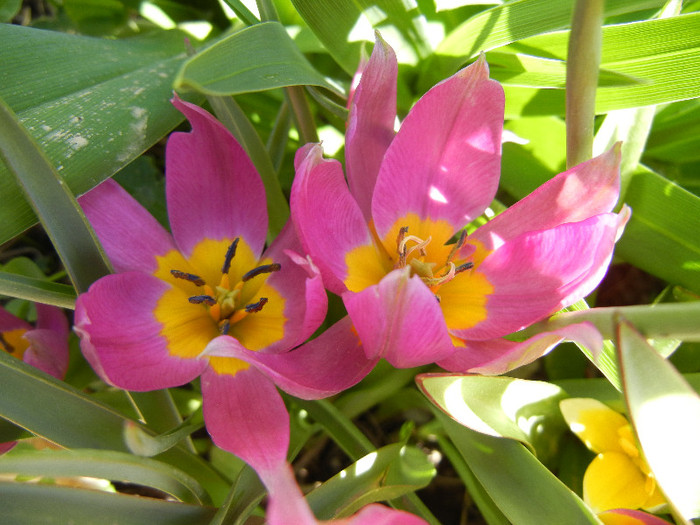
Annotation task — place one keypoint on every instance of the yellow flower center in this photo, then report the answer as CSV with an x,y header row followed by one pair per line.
x,y
224,301
449,270
208,299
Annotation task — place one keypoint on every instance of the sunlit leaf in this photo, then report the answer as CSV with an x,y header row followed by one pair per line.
x,y
266,58
665,412
527,411
102,464
388,473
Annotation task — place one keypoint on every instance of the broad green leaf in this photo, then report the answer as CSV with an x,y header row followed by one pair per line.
x,y
662,54
343,27
385,474
56,207
517,69
665,412
29,504
103,464
93,105
662,234
675,136
524,490
527,411
508,23
265,58
38,290
56,411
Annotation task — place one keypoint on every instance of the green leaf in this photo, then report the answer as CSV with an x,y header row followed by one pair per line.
x,y
385,474
675,136
93,105
38,290
662,54
343,27
102,464
56,411
29,504
145,444
524,490
508,23
56,207
527,411
665,412
661,237
266,58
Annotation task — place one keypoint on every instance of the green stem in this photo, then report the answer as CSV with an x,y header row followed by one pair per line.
x,y
303,118
583,62
663,321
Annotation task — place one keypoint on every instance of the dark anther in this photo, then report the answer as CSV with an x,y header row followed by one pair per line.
x,y
7,346
205,299
195,279
463,267
224,327
256,307
230,254
265,268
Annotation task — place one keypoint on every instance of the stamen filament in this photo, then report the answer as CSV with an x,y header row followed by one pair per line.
x,y
205,299
194,279
265,268
420,246
230,254
455,248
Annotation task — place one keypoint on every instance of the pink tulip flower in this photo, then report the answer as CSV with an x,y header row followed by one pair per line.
x,y
391,241
208,300
44,346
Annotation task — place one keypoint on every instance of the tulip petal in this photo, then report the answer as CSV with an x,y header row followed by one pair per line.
x,y
326,365
498,356
629,517
588,189
246,416
121,338
130,236
613,481
538,273
300,284
9,322
400,320
444,162
212,188
286,501
51,318
47,351
327,219
595,423
370,127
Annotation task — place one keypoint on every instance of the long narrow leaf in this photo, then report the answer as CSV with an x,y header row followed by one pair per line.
x,y
29,504
37,290
102,464
54,204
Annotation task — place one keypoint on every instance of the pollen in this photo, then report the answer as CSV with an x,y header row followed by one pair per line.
x,y
413,252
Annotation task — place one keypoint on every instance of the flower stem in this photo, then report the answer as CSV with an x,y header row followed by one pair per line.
x,y
583,61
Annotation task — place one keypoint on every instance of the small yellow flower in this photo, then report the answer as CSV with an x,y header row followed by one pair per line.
x,y
618,477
